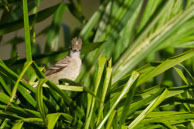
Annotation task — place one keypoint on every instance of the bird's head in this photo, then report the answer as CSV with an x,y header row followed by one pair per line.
x,y
76,47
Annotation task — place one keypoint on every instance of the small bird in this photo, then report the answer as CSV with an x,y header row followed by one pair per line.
x,y
69,67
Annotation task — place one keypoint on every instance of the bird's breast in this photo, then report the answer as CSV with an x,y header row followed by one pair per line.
x,y
70,72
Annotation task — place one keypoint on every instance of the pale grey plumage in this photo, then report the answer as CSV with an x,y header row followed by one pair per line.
x,y
69,67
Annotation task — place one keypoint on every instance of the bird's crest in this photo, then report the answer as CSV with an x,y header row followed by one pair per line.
x,y
76,44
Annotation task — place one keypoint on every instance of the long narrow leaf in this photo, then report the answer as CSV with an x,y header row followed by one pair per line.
x,y
4,86
27,34
128,101
9,27
150,108
4,98
166,65
18,125
130,82
27,31
91,103
18,80
104,90
39,99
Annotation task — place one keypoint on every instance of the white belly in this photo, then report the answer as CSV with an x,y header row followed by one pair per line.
x,y
70,72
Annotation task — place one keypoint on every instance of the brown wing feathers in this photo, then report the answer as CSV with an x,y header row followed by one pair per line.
x,y
58,66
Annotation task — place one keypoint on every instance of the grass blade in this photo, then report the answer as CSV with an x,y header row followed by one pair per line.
x,y
4,86
182,76
128,101
104,90
110,120
27,31
149,109
21,111
13,26
4,98
4,123
27,96
90,109
18,124
10,74
26,66
27,34
52,119
39,99
140,104
128,85
166,65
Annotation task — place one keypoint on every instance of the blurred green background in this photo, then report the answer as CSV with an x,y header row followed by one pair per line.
x,y
88,8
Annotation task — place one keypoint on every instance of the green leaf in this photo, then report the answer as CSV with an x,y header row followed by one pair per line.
x,y
4,98
185,45
27,31
39,99
26,66
9,115
104,90
188,73
176,116
4,123
52,119
66,98
110,120
128,85
180,73
4,86
27,96
149,109
71,88
67,87
127,104
33,120
18,124
13,26
141,49
91,103
166,65
21,111
140,104
10,74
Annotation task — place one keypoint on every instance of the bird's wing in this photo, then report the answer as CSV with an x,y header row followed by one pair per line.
x,y
58,66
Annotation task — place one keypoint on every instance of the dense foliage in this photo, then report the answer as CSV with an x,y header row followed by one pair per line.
x,y
137,68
